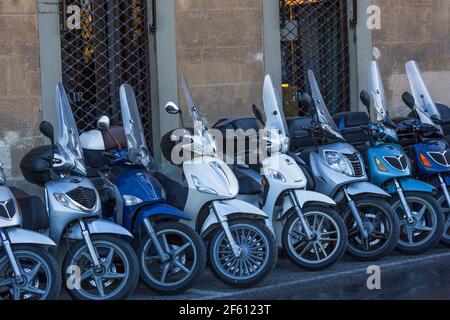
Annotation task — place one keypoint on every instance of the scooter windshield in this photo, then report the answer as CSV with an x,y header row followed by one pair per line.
x,y
2,175
323,116
377,91
425,106
138,152
68,139
203,141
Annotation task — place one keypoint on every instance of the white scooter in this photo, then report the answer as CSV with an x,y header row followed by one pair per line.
x,y
242,249
312,234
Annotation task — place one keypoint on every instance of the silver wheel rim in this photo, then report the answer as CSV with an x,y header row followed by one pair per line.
x,y
36,275
182,263
115,271
325,244
376,220
446,210
424,226
254,257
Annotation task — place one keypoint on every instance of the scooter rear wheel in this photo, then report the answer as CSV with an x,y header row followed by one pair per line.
x,y
258,257
328,245
187,259
446,211
382,225
425,232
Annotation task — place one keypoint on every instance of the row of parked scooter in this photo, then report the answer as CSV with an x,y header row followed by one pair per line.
x,y
323,186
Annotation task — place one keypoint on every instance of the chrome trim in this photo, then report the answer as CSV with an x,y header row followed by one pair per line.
x,y
399,161
430,154
221,173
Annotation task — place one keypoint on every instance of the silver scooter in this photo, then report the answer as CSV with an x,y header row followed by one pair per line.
x,y
337,169
99,264
27,271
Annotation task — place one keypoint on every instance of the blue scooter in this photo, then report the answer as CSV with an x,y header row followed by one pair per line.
x,y
171,254
424,141
389,168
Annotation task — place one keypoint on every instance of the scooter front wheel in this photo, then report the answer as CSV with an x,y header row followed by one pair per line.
x,y
446,211
427,227
257,258
116,278
186,255
41,275
382,226
328,244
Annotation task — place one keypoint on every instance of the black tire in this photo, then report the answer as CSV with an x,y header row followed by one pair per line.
x,y
434,217
47,260
445,240
123,250
269,260
378,248
197,253
337,248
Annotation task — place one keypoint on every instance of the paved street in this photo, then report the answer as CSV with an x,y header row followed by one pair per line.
x,y
402,277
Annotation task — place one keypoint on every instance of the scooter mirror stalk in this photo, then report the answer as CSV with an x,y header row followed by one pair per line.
x,y
103,123
409,100
47,130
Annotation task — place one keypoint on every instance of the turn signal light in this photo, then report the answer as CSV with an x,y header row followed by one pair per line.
x,y
425,161
264,182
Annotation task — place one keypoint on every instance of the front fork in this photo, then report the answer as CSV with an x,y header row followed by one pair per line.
x,y
92,252
152,234
356,215
12,259
237,251
444,189
405,205
298,209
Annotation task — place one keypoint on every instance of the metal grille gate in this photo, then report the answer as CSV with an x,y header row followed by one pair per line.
x,y
314,35
110,48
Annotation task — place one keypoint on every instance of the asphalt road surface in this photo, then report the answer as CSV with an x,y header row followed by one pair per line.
x,y
401,277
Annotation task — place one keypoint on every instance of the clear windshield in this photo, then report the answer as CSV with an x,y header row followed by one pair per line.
x,y
138,152
68,139
377,91
204,143
275,119
2,175
425,106
323,116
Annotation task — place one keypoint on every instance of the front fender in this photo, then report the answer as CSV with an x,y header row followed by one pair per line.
x,y
158,210
23,236
98,227
409,184
358,188
229,207
305,197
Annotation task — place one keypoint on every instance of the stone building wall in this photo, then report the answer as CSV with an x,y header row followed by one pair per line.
x,y
20,93
419,30
220,51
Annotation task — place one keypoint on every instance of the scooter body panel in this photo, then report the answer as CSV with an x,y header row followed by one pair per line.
x,y
10,215
22,236
98,226
432,150
410,185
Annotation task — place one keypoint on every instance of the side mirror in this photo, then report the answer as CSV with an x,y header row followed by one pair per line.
x,y
366,100
172,108
305,102
103,123
409,100
47,130
258,114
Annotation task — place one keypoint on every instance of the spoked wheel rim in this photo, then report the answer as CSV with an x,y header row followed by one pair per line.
x,y
36,274
324,244
254,256
446,210
425,220
107,282
377,224
181,264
